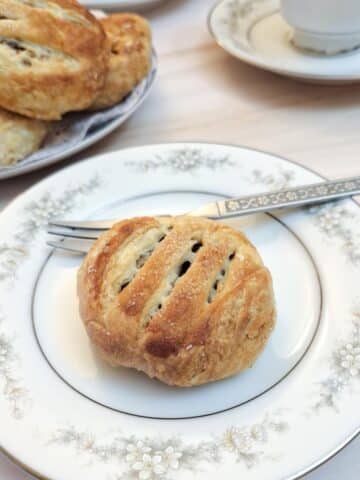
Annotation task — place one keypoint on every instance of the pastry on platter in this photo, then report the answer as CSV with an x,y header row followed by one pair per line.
x,y
130,56
19,137
53,57
184,299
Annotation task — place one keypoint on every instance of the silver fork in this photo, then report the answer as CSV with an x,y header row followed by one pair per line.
x,y
78,236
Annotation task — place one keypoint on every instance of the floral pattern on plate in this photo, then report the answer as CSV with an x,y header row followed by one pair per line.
x,y
36,216
345,368
241,15
184,160
153,458
12,386
337,223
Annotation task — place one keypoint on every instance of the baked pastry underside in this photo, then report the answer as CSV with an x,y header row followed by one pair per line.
x,y
186,300
19,137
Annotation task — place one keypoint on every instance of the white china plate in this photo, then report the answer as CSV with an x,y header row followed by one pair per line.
x,y
255,32
65,414
134,101
119,5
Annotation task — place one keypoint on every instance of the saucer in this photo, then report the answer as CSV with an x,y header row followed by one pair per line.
x,y
255,32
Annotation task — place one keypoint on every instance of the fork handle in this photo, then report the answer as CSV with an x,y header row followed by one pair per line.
x,y
290,197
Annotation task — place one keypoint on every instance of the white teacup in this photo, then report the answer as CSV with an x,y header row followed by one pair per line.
x,y
327,26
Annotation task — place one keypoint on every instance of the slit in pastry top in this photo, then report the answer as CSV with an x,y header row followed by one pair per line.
x,y
163,294
22,53
128,261
186,300
144,271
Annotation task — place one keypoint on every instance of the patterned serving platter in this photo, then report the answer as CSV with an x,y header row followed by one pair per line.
x,y
65,149
64,414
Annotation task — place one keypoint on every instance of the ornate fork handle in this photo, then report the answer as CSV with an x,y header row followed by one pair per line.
x,y
291,197
76,236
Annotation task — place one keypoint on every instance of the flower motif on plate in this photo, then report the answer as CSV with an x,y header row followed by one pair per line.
x,y
12,256
183,160
239,17
337,223
11,385
345,368
36,216
155,459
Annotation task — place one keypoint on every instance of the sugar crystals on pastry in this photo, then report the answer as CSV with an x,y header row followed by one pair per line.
x,y
185,300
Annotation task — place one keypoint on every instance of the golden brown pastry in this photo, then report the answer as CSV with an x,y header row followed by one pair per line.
x,y
19,137
184,299
53,57
130,56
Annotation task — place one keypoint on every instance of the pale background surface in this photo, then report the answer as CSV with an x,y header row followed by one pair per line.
x,y
203,94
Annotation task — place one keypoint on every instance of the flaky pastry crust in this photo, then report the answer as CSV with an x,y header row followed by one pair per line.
x,y
53,57
183,299
130,56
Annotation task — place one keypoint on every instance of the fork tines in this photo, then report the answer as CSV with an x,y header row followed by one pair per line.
x,y
83,225
75,236
72,245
